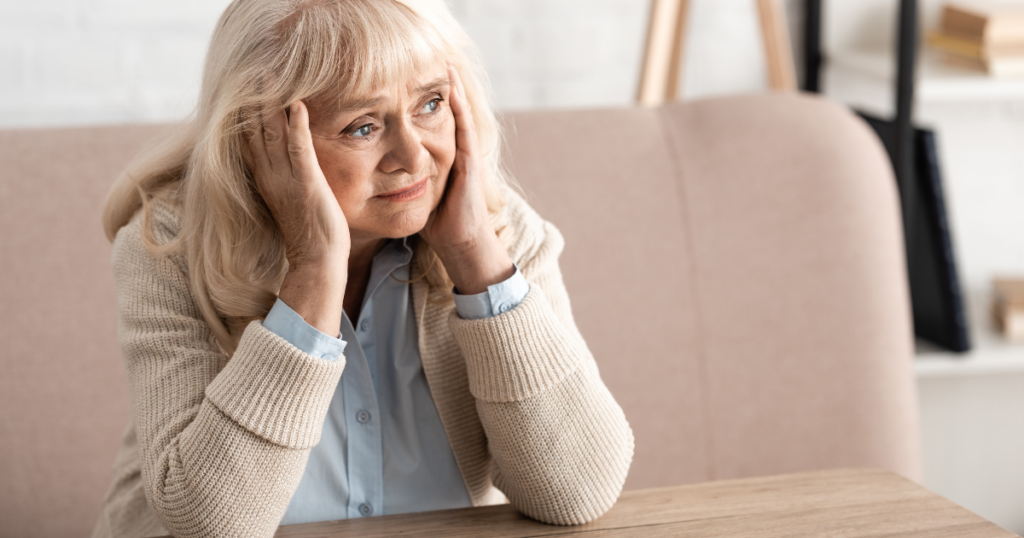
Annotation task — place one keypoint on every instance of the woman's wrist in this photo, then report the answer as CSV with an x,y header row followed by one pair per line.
x,y
316,291
474,266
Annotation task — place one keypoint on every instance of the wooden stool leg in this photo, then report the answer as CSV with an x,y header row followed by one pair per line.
x,y
663,55
777,47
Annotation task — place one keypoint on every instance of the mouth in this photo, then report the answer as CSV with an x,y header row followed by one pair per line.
x,y
406,193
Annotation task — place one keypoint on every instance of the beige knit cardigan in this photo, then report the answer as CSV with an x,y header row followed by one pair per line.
x,y
217,447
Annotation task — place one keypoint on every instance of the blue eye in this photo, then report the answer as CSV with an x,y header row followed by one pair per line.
x,y
364,131
431,105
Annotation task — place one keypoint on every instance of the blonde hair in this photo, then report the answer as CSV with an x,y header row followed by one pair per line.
x,y
264,55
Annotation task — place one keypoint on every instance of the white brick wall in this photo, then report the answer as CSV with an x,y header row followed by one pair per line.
x,y
73,62
68,62
542,53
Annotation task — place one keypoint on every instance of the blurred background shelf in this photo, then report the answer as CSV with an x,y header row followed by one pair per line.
x,y
980,124
991,356
937,81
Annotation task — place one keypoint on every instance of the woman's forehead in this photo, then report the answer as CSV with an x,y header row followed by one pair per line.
x,y
424,81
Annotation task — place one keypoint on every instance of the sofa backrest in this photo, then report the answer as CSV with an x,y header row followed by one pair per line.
x,y
735,265
63,392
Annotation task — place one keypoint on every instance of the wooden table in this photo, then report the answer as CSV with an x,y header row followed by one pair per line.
x,y
846,503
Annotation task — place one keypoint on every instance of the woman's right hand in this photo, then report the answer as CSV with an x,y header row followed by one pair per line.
x,y
295,189
315,230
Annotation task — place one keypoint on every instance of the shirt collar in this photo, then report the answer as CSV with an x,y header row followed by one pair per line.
x,y
396,254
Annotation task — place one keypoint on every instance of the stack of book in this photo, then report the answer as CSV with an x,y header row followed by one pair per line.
x,y
985,36
1009,307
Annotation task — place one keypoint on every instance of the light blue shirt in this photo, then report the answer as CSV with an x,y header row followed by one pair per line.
x,y
383,449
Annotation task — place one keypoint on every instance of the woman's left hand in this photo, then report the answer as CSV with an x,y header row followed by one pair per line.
x,y
459,229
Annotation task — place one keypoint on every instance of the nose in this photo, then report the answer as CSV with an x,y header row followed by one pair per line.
x,y
405,150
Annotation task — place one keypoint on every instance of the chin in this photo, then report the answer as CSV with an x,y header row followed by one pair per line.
x,y
407,223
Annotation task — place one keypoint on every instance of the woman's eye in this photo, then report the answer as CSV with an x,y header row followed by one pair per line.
x,y
431,105
362,132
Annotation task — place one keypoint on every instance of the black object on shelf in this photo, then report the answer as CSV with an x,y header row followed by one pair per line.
x,y
902,151
935,292
812,46
937,301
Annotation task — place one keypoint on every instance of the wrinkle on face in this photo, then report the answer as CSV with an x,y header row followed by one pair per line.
x,y
405,146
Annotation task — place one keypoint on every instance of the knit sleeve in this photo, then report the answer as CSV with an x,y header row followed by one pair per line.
x,y
223,443
560,444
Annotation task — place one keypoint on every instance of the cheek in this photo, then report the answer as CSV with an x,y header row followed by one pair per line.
x,y
348,174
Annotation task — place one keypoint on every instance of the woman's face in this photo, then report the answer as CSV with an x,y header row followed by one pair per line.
x,y
387,155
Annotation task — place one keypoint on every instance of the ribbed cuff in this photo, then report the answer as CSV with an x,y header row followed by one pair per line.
x,y
274,390
518,354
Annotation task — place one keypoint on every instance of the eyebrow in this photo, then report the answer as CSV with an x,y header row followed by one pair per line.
x,y
436,84
359,104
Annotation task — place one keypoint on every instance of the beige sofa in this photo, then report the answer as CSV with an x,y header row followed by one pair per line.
x,y
735,265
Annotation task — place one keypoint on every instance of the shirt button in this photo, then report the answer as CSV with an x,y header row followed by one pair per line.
x,y
363,416
505,307
365,509
364,325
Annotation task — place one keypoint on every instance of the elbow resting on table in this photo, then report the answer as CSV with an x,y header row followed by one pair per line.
x,y
584,479
579,501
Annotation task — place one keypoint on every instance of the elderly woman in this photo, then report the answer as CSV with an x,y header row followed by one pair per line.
x,y
333,305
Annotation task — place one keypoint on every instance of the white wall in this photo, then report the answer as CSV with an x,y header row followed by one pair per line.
x,y
72,62
973,439
972,424
67,62
549,53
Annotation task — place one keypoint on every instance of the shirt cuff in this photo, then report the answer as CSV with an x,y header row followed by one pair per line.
x,y
286,323
498,299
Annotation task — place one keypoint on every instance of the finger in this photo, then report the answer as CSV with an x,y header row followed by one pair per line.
x,y
465,130
300,141
262,175
256,148
275,139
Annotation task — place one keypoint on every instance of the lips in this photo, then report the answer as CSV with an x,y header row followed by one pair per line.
x,y
407,192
